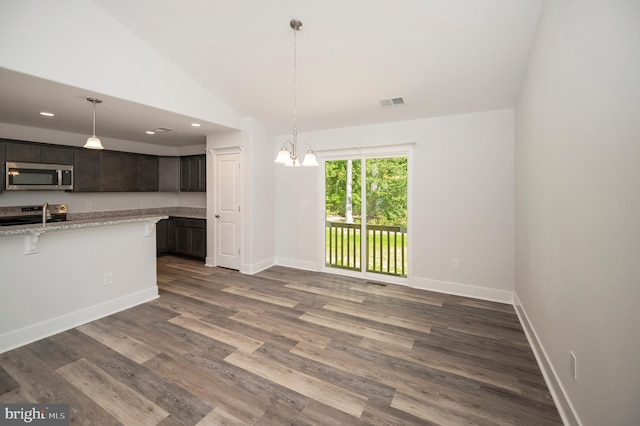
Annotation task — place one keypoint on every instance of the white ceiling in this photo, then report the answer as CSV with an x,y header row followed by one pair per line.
x,y
443,56
24,97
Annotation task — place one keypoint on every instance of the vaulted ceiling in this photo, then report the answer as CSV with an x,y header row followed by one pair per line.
x,y
442,56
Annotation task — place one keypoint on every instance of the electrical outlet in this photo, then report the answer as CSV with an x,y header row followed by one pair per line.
x,y
87,206
108,278
455,263
573,368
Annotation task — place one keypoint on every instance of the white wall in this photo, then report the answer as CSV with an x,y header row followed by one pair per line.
x,y
254,142
76,43
578,205
62,285
87,202
263,190
463,200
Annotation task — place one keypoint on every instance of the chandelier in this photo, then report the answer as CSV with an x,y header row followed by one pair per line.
x,y
286,157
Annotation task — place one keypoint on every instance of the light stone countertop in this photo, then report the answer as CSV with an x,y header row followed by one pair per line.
x,y
78,223
189,212
103,218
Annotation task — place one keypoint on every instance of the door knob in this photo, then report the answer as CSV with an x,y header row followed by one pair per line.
x,y
217,216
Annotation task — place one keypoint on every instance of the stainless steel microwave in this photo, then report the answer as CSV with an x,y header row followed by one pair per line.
x,y
37,176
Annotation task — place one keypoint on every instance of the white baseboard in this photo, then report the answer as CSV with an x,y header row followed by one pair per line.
x,y
254,268
26,335
565,408
458,289
483,293
246,268
298,264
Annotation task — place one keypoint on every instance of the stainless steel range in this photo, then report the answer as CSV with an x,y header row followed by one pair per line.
x,y
26,215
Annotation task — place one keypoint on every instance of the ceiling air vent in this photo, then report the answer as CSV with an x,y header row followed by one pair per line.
x,y
385,103
162,130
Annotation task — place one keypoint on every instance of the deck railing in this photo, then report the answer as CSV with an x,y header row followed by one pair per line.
x,y
386,248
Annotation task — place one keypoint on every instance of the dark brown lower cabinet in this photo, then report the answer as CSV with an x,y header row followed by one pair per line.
x,y
162,234
183,236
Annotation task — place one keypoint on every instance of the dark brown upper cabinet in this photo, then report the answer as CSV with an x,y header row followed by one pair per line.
x,y
140,173
169,174
2,169
111,171
30,152
98,171
193,173
86,170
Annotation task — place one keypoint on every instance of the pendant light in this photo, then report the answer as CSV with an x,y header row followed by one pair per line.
x,y
93,142
286,157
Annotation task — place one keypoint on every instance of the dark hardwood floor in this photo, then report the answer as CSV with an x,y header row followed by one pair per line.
x,y
287,347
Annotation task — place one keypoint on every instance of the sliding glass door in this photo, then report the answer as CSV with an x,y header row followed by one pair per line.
x,y
366,214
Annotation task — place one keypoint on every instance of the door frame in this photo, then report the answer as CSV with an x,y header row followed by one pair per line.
x,y
362,153
212,206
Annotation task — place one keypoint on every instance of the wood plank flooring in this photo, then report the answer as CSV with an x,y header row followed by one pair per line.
x,y
287,347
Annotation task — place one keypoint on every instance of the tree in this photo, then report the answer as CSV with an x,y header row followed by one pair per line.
x,y
335,189
349,193
386,190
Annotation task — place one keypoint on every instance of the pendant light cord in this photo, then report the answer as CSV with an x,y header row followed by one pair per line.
x,y
94,101
94,117
286,157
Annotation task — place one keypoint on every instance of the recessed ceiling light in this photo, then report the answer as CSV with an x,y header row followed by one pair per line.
x,y
47,114
195,124
150,132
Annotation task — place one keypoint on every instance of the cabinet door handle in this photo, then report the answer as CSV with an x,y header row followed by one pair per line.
x,y
217,216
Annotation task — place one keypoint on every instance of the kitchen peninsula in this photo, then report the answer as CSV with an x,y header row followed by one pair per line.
x,y
64,274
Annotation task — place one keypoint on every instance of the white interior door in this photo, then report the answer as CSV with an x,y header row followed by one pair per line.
x,y
227,216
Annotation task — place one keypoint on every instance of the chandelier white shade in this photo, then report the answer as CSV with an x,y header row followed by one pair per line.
x,y
93,142
310,159
284,156
288,154
289,159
